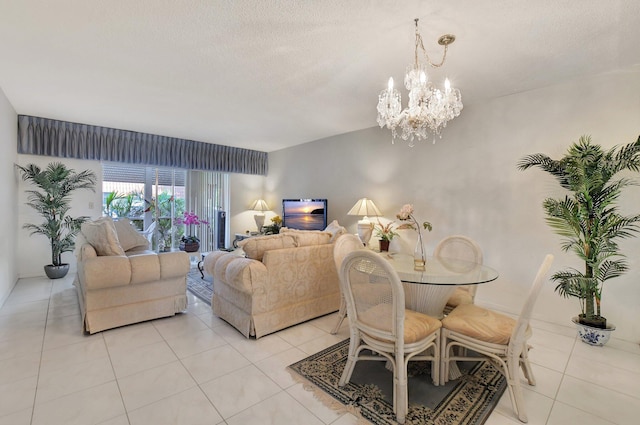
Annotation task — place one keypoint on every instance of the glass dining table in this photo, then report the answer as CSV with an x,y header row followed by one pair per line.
x,y
427,291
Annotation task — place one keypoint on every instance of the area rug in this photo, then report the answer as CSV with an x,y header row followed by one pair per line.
x,y
201,288
468,400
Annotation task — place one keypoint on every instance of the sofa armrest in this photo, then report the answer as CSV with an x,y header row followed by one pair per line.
x,y
104,272
246,275
243,274
211,260
174,264
86,251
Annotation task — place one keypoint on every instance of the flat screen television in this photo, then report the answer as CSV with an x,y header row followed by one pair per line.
x,y
304,214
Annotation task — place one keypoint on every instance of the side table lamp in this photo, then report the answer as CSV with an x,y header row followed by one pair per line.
x,y
261,206
365,207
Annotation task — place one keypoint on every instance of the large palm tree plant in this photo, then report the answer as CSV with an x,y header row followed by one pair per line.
x,y
588,218
52,201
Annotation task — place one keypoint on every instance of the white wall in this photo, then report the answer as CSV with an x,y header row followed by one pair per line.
x,y
8,208
244,190
468,183
34,251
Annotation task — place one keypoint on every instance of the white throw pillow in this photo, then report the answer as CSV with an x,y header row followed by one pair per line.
x,y
101,234
128,236
335,229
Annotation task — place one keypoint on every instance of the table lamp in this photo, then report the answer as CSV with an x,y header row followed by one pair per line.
x,y
261,206
365,207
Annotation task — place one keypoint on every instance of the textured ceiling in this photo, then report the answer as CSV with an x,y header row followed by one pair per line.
x,y
271,74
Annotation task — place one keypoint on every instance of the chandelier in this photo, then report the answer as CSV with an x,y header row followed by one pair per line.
x,y
429,108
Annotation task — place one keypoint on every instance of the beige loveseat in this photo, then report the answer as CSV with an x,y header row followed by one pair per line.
x,y
120,281
284,280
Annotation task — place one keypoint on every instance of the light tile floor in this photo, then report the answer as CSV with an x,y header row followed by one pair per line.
x,y
195,369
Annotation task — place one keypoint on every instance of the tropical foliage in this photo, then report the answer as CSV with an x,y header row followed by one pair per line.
x,y
133,205
588,218
52,201
130,205
165,202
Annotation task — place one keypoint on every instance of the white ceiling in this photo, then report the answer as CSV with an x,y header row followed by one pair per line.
x,y
266,75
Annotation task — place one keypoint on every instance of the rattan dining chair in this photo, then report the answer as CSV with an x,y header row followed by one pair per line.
x,y
381,328
149,232
461,248
495,336
343,246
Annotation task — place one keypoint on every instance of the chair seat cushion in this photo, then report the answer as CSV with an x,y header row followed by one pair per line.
x,y
417,326
480,323
460,296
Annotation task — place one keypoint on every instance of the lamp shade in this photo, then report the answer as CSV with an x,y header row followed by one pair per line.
x,y
259,205
365,207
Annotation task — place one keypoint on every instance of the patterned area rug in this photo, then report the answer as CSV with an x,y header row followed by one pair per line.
x,y
468,400
201,288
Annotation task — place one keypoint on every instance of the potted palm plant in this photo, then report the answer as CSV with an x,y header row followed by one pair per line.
x,y
52,201
588,219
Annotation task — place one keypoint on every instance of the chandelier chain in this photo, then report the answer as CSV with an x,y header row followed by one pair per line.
x,y
420,44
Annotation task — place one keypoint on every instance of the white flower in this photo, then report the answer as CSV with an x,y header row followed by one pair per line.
x,y
405,212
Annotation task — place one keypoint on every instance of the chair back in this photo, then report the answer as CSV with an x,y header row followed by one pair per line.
x,y
518,335
343,246
374,296
459,247
149,231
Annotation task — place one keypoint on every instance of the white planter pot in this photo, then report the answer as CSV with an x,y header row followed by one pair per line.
x,y
593,336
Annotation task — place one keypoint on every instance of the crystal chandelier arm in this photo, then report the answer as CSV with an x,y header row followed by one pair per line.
x,y
444,40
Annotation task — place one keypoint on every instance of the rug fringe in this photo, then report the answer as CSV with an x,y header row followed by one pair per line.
x,y
326,399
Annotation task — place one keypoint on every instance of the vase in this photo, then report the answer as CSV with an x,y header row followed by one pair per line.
x,y
56,272
419,260
189,246
593,336
384,245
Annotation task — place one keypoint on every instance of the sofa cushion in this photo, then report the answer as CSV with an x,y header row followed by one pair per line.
x,y
254,248
101,234
335,229
309,237
128,236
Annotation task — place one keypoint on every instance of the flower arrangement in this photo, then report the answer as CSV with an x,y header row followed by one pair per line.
x,y
385,232
406,215
274,227
189,219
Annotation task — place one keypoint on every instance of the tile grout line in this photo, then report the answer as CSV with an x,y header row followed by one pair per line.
x,y
44,335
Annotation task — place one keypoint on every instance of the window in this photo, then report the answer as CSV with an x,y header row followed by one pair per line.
x,y
148,194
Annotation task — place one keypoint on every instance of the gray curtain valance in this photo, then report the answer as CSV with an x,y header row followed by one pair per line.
x,y
43,136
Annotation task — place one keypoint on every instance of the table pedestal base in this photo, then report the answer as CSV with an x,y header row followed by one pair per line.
x,y
427,299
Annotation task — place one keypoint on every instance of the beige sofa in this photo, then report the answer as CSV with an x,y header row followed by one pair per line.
x,y
284,280
120,281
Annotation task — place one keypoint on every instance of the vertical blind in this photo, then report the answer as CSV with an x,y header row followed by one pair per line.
x,y
43,136
207,195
